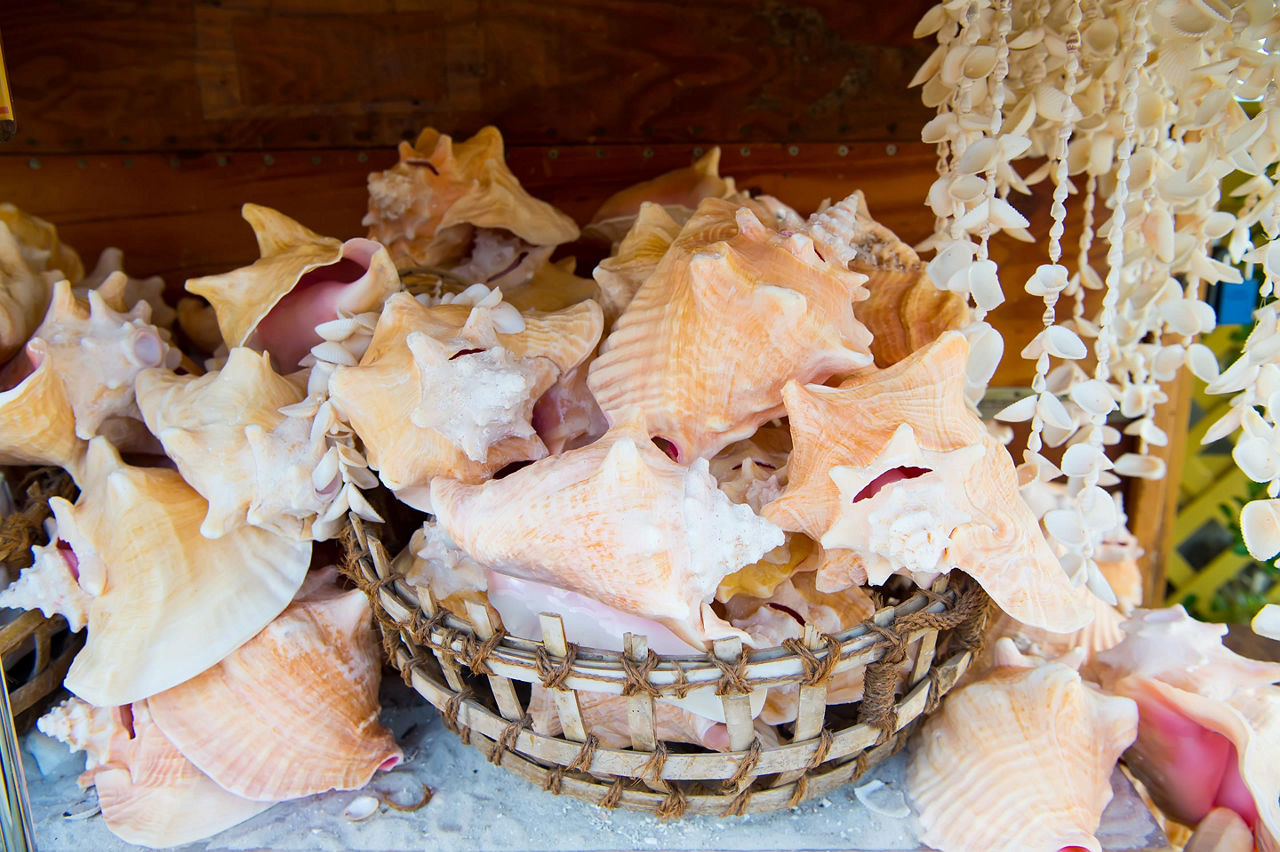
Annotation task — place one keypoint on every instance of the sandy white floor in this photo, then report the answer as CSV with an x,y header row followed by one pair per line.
x,y
480,807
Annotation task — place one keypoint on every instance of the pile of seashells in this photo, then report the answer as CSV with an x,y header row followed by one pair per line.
x,y
744,423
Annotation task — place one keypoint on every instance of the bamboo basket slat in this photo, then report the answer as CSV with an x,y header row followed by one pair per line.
x,y
470,670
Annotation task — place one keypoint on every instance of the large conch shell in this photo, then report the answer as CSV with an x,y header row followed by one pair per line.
x,y
301,280
1210,720
894,467
1019,760
293,711
149,793
631,528
449,390
31,260
168,603
233,438
98,351
905,311
37,424
426,208
607,716
706,382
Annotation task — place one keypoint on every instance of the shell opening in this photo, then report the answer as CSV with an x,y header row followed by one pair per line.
x,y
512,468
19,368
126,720
390,763
890,476
667,446
68,555
788,610
148,350
462,352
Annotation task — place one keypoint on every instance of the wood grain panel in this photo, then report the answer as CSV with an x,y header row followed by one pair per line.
x,y
178,216
108,75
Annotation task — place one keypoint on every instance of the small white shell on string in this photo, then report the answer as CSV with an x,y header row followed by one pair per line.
x,y
1081,459
1094,396
1140,467
1260,524
1258,458
1267,622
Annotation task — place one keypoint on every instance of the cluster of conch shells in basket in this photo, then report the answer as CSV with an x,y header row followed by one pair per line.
x,y
747,424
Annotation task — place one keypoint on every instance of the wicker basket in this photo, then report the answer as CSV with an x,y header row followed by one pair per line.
x,y
475,675
36,651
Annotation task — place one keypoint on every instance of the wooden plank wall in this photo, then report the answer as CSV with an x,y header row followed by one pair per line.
x,y
145,125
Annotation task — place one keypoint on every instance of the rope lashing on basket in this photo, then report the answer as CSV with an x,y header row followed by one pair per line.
x,y
22,529
733,676
738,807
612,798
450,715
476,654
507,739
746,766
681,687
826,740
637,673
554,675
581,763
657,761
673,806
407,667
799,792
817,670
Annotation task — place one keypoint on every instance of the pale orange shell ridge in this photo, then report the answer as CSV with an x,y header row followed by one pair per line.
x,y
40,243
24,294
149,793
293,711
553,287
204,424
607,716
733,311
621,274
677,192
380,395
1019,760
424,208
37,425
632,529
168,602
958,508
905,311
242,298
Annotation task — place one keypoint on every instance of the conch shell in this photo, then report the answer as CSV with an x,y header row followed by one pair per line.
x,y
1019,760
167,602
149,793
449,390
98,352
426,208
37,425
293,711
31,260
232,439
606,716
632,529
636,257
301,280
934,491
1210,720
706,383
149,290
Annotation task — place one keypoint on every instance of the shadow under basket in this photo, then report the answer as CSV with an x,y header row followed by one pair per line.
x,y
477,676
36,651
